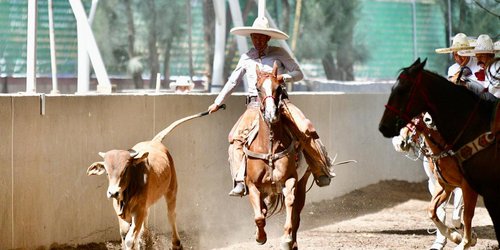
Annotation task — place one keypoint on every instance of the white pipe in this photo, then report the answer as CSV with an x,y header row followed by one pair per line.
x,y
31,48
87,38
262,8
220,44
414,9
53,60
83,81
158,82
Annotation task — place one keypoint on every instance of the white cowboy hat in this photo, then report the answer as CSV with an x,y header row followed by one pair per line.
x,y
260,26
460,42
484,45
182,81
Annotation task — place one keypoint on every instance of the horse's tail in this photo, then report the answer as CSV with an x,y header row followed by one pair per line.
x,y
275,204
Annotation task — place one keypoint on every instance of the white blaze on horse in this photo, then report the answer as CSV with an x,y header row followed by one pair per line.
x,y
427,141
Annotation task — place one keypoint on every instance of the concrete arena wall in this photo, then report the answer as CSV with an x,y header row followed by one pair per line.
x,y
47,198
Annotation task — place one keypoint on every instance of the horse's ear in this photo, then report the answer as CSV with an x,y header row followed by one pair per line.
x,y
423,63
275,69
421,66
416,62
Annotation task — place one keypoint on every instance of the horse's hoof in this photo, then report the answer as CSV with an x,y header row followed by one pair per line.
x,y
474,239
261,241
179,247
456,237
261,238
286,242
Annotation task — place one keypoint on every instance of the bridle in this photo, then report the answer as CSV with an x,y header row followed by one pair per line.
x,y
402,115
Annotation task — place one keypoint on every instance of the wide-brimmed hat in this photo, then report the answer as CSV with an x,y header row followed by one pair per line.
x,y
182,81
460,42
260,26
484,45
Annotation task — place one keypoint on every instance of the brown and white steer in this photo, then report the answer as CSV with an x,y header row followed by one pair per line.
x,y
139,177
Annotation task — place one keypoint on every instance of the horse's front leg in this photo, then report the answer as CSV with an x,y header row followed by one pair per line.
x,y
260,218
441,195
470,200
289,193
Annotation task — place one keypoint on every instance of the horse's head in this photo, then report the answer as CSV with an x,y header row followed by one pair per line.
x,y
269,92
405,100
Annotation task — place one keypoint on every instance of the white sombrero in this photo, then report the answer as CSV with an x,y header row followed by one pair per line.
x,y
260,26
460,42
484,45
182,81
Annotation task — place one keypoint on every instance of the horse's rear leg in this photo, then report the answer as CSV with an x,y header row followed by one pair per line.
x,y
287,240
260,218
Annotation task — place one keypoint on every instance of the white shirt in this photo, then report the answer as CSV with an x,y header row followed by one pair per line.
x,y
472,65
247,65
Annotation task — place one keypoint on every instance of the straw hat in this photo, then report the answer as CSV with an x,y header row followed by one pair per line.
x,y
182,81
460,42
260,26
484,45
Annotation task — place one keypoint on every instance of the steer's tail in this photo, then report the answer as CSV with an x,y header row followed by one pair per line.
x,y
160,136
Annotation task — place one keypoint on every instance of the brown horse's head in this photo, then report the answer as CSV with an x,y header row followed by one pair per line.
x,y
269,92
405,102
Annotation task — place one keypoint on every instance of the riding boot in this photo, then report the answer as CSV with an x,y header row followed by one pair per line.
x,y
320,164
238,168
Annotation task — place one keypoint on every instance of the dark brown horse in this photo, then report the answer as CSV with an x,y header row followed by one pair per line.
x,y
461,116
274,178
446,170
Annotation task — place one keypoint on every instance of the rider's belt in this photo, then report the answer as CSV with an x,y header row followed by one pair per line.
x,y
252,99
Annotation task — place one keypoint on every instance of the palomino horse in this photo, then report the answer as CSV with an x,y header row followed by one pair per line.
x,y
463,119
428,142
273,177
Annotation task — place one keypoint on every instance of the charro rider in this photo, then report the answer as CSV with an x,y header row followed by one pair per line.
x,y
465,66
264,56
485,51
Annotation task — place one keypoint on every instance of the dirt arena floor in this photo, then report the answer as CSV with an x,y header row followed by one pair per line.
x,y
387,215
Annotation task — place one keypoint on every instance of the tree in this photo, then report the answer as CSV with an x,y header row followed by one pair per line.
x,y
328,35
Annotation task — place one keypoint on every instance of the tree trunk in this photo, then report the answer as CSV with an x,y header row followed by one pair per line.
x,y
285,25
136,75
166,62
345,59
152,40
209,38
329,66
